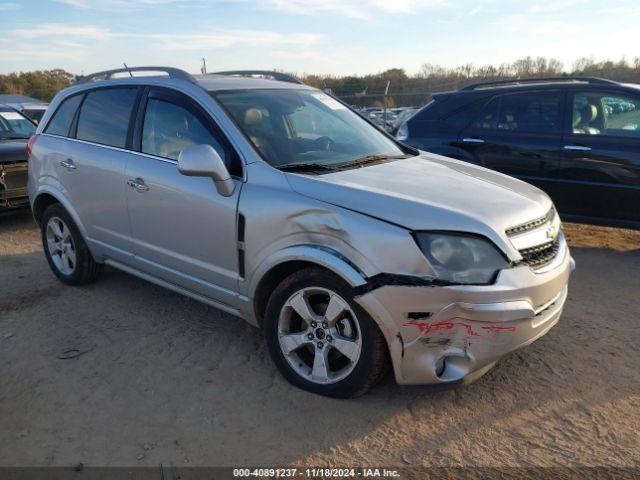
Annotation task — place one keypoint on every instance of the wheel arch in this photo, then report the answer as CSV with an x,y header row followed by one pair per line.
x,y
48,196
285,262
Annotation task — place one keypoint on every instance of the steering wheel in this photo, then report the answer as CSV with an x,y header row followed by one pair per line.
x,y
323,143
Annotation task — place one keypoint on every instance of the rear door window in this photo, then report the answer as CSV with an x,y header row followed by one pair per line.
x,y
105,114
534,112
60,123
611,114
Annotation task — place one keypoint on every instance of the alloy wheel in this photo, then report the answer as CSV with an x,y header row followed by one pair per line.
x,y
60,245
319,335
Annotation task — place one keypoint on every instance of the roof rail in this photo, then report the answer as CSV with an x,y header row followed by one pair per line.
x,y
108,74
522,81
282,77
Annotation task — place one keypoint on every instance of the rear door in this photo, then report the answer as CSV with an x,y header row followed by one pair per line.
x,y
91,164
518,134
600,169
184,231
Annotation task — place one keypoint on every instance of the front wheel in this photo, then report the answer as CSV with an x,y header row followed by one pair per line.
x,y
320,339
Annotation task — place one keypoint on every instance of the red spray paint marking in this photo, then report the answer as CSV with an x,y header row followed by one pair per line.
x,y
426,328
493,328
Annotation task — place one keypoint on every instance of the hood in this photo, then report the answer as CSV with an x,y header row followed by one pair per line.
x,y
431,192
13,151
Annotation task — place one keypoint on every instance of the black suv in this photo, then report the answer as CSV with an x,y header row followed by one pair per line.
x,y
577,138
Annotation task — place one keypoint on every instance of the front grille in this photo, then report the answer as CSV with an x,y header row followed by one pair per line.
x,y
13,184
541,255
525,227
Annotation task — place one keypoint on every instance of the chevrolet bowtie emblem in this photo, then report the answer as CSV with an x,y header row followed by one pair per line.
x,y
552,233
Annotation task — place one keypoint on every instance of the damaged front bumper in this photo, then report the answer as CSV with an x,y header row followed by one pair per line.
x,y
13,185
441,334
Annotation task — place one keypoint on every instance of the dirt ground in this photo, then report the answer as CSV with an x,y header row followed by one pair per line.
x,y
163,379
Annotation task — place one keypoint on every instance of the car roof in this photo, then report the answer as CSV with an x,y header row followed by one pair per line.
x,y
516,85
16,98
216,82
35,106
6,108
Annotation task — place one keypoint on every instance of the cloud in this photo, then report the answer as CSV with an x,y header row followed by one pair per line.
x,y
554,6
4,6
63,34
115,4
226,39
357,9
60,31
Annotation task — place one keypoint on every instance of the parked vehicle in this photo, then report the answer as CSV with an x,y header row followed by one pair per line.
x,y
577,138
28,106
34,111
402,116
275,202
15,130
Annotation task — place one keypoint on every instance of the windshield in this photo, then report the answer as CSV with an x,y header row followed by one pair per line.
x,y
305,127
14,125
34,114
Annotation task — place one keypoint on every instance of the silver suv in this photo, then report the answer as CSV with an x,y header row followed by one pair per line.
x,y
277,203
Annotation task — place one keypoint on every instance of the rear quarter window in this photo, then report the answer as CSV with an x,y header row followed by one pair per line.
x,y
60,123
105,115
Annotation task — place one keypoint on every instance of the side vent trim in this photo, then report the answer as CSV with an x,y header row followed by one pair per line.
x,y
241,229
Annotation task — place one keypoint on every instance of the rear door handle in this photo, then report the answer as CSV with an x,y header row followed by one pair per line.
x,y
472,140
68,164
577,148
138,184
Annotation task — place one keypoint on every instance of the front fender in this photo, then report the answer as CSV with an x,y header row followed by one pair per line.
x,y
320,255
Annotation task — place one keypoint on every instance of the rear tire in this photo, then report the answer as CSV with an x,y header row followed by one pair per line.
x,y
67,253
337,350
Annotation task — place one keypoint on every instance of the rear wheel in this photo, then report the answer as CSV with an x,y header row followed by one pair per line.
x,y
321,339
65,249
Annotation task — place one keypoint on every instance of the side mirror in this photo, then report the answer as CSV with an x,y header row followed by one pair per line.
x,y
204,161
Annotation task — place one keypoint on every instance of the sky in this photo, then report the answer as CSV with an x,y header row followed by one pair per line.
x,y
339,37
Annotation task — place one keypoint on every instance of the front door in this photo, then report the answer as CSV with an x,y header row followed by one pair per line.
x,y
184,231
518,134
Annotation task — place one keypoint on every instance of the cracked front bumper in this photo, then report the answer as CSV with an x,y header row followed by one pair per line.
x,y
447,334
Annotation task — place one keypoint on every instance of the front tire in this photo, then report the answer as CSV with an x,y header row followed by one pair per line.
x,y
67,253
320,339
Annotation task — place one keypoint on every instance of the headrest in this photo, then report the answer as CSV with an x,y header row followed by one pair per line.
x,y
252,116
588,113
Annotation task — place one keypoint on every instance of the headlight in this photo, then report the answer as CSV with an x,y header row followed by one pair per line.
x,y
461,258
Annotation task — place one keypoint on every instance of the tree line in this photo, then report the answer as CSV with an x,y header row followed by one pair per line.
x,y
367,90
414,90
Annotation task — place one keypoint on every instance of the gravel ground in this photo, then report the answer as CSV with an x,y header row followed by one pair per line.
x,y
162,379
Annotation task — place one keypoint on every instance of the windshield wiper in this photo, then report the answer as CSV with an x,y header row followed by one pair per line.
x,y
359,162
12,137
305,167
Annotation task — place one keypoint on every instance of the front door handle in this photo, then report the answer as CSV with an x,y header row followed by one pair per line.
x,y
138,184
577,148
68,164
472,140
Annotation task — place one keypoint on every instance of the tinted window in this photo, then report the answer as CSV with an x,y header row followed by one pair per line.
x,y
61,120
536,112
104,116
168,129
598,113
15,125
